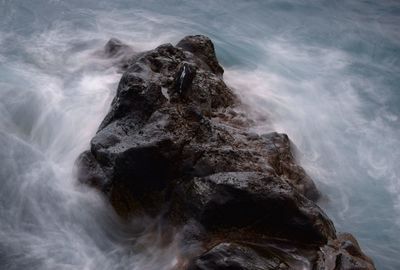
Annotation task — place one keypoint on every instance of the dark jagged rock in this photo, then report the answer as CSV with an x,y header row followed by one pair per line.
x,y
90,172
121,53
177,142
203,48
343,253
116,47
232,256
259,202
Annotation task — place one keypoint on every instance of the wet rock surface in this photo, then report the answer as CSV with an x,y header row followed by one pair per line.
x,y
232,256
176,143
259,202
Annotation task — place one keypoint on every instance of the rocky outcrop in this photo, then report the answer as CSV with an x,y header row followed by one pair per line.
x,y
176,143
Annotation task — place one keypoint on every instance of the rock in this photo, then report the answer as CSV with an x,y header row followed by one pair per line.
x,y
144,141
280,155
343,253
121,53
203,48
177,143
232,256
116,47
256,201
90,173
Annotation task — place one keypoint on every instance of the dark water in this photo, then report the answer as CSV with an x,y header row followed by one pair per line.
x,y
325,72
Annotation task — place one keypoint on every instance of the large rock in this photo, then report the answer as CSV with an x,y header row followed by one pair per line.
x,y
260,202
176,141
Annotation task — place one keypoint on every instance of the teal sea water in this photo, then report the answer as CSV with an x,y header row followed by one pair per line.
x,y
327,73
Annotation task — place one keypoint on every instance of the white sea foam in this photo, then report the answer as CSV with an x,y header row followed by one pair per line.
x,y
52,102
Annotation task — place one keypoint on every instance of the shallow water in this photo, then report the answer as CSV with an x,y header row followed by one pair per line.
x,y
325,72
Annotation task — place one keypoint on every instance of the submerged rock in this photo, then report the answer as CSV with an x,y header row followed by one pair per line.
x,y
176,142
115,47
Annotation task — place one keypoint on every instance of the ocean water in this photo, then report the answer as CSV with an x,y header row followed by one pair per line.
x,y
327,73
